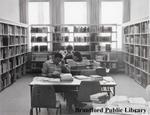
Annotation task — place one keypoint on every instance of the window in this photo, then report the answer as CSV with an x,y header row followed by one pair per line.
x,y
112,13
39,13
75,12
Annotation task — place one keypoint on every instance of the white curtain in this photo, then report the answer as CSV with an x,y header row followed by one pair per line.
x,y
126,11
93,11
56,11
23,11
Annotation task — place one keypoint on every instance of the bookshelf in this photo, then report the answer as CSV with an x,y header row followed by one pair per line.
x,y
13,52
93,41
40,45
136,50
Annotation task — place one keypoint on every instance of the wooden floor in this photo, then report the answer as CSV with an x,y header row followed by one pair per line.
x,y
15,100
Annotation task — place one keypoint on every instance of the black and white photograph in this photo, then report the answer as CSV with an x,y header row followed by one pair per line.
x,y
74,57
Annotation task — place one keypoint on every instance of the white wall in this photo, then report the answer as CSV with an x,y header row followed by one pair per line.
x,y
139,9
9,10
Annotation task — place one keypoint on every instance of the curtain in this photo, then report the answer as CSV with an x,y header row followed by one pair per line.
x,y
56,11
126,11
93,11
23,11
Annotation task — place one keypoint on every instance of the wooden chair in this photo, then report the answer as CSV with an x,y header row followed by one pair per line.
x,y
101,71
44,97
88,88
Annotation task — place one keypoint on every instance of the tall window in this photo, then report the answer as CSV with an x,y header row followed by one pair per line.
x,y
112,13
75,12
39,13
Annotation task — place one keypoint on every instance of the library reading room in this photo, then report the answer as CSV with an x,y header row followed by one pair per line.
x,y
74,57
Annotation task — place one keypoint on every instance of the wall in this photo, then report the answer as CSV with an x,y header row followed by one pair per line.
x,y
9,10
139,9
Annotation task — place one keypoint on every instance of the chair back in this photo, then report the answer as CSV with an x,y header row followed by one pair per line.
x,y
88,88
101,71
43,97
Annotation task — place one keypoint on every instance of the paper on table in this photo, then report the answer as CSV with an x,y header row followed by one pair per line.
x,y
137,100
45,79
81,77
118,99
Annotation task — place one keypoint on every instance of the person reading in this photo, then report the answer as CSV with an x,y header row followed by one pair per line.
x,y
69,53
54,67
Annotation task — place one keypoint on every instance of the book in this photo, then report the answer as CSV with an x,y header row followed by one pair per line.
x,y
66,77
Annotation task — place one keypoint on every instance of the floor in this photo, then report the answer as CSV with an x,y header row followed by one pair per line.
x,y
15,100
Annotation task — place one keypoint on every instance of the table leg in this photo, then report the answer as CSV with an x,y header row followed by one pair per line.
x,y
31,109
114,90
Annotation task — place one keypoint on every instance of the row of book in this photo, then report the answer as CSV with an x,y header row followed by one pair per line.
x,y
12,63
138,28
144,65
106,48
143,39
137,50
144,52
41,48
39,57
83,39
145,27
12,51
17,40
8,78
39,29
83,29
12,30
39,39
5,41
141,63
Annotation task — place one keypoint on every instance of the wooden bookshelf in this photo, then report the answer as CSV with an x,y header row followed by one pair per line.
x,y
136,50
13,52
40,45
93,41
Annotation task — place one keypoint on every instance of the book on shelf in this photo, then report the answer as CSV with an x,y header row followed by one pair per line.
x,y
39,29
5,41
35,48
0,68
108,47
1,29
4,66
81,29
103,39
43,48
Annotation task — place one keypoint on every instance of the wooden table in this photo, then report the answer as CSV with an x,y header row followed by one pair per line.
x,y
62,86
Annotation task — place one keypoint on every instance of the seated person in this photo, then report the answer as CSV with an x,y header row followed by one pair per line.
x,y
54,67
69,53
75,63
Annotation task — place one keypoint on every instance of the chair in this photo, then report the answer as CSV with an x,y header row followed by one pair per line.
x,y
44,97
88,88
101,71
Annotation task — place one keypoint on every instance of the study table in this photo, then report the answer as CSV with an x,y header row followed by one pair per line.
x,y
62,86
107,83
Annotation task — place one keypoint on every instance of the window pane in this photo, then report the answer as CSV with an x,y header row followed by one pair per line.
x,y
112,13
75,12
39,13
